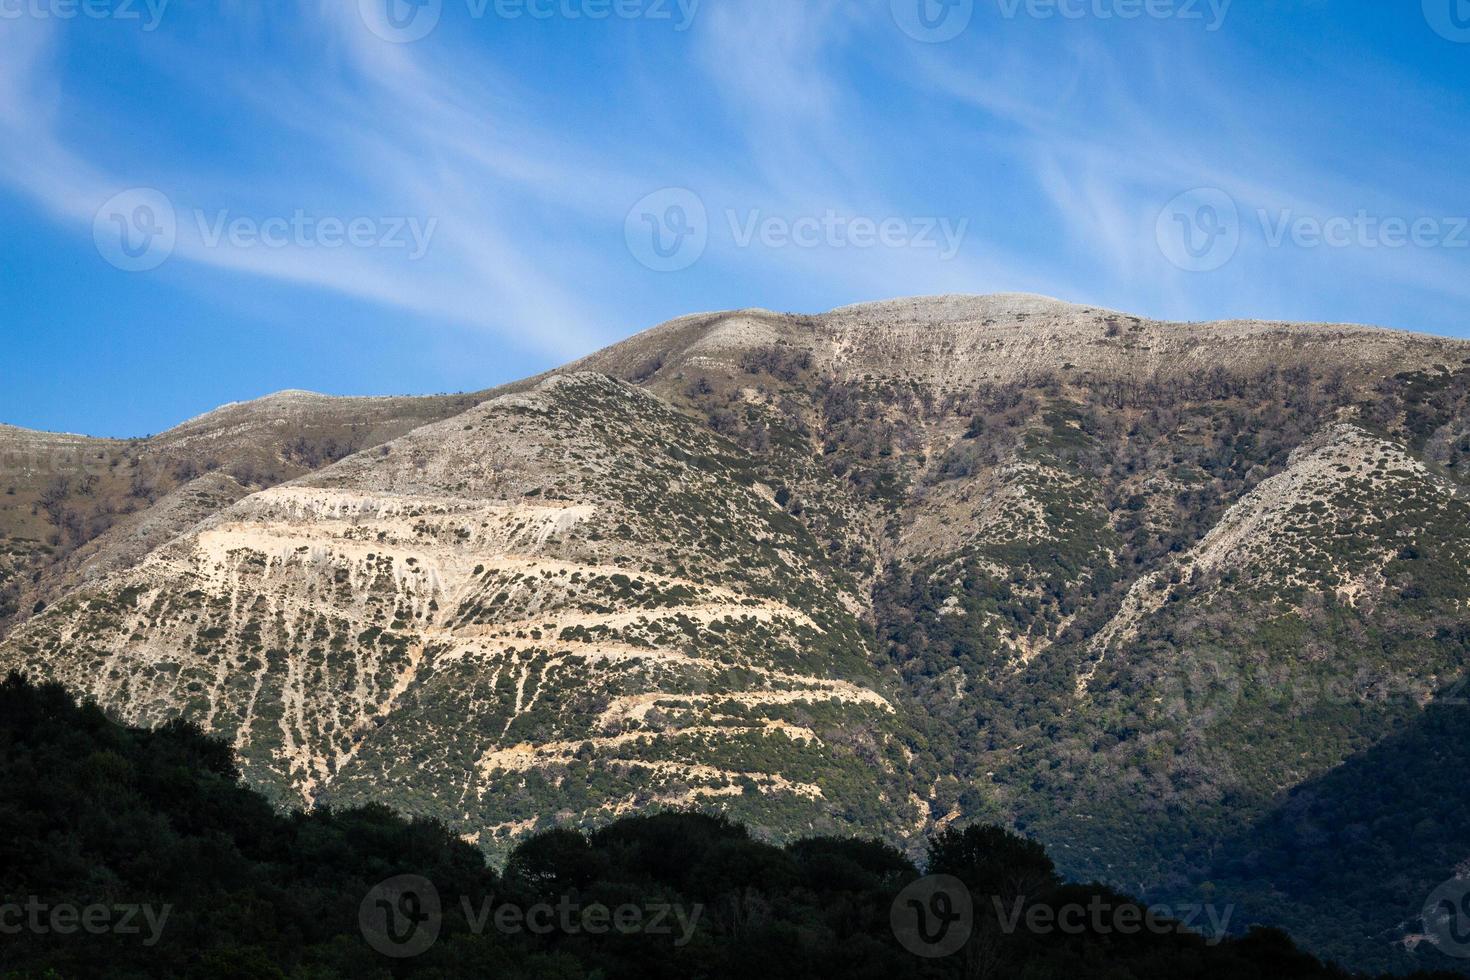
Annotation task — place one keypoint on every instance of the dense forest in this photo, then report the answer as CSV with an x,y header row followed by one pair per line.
x,y
134,853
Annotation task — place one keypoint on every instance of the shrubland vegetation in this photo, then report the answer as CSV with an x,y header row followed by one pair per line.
x,y
1260,737
97,815
1241,685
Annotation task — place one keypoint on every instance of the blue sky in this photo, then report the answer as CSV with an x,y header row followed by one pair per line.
x,y
207,201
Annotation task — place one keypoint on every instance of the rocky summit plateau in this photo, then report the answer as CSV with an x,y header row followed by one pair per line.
x,y
1187,602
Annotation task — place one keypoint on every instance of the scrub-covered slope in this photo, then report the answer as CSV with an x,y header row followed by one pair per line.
x,y
1121,583
562,604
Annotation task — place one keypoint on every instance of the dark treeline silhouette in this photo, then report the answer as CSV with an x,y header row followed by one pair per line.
x,y
97,819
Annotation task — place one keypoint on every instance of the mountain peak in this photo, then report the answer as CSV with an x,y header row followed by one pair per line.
x,y
958,341
965,303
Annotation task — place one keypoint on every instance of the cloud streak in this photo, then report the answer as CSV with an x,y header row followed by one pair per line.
x,y
404,146
1055,145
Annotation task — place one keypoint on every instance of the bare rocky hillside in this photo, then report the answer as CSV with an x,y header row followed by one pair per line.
x,y
1124,584
71,505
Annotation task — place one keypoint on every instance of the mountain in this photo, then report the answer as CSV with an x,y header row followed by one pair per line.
x,y
73,507
573,600
1122,584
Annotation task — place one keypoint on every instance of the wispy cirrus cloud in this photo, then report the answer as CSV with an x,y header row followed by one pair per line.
x,y
383,137
1114,132
1055,146
813,147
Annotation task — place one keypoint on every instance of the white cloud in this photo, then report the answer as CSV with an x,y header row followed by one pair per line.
x,y
394,137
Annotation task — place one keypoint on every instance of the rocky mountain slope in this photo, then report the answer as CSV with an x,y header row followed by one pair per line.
x,y
569,601
72,506
1123,584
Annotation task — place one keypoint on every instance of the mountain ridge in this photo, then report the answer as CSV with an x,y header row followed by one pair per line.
x,y
1117,582
1040,303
